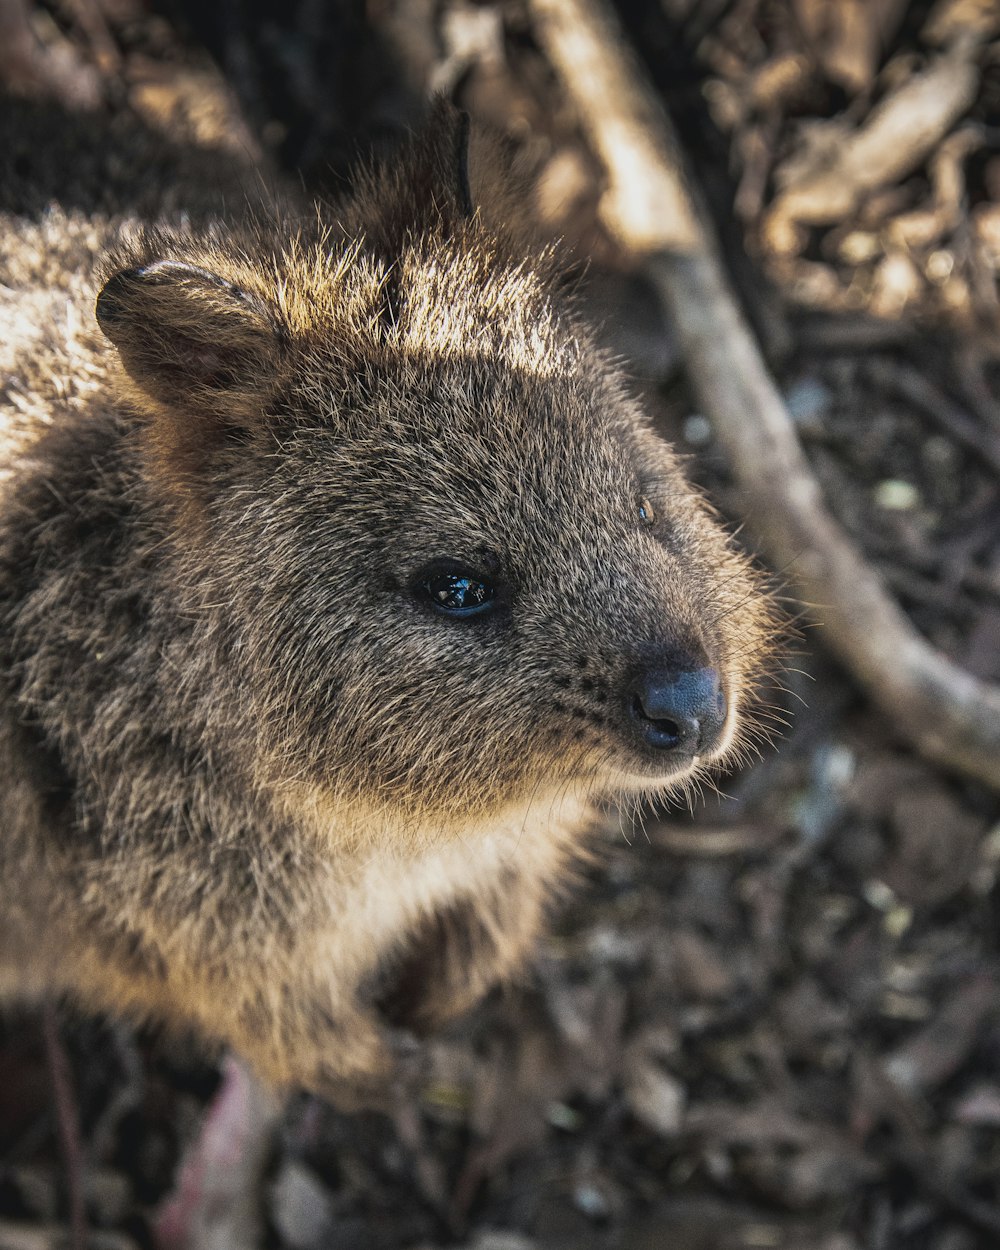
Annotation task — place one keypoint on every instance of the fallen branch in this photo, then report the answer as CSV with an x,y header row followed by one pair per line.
x,y
893,141
949,715
215,1203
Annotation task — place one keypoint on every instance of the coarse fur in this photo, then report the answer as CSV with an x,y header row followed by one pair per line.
x,y
253,783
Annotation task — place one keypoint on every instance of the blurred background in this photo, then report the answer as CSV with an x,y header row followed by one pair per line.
x,y
772,1021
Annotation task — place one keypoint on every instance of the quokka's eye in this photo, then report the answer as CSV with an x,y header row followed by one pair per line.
x,y
647,513
456,590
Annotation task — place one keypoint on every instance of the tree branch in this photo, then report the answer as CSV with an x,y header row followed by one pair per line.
x,y
945,712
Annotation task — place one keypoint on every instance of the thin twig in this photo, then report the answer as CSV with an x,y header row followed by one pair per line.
x,y
68,1124
964,429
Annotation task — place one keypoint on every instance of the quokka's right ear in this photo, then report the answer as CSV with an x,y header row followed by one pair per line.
x,y
193,341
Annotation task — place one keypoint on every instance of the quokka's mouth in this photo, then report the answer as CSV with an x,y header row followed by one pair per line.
x,y
649,778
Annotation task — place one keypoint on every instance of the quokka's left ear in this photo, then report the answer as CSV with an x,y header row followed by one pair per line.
x,y
193,341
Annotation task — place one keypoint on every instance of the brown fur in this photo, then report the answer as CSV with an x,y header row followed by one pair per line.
x,y
252,784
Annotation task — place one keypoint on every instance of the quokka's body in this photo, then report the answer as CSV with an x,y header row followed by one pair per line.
x,y
339,571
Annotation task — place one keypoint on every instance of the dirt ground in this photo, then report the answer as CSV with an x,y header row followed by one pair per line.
x,y
772,1021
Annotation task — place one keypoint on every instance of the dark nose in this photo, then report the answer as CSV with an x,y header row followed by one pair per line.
x,y
682,712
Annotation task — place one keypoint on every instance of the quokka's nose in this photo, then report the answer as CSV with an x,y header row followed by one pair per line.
x,y
682,712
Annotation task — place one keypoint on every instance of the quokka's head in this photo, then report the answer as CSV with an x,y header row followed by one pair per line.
x,y
445,562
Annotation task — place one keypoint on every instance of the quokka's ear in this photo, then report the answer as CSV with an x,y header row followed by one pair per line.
x,y
458,130
434,173
424,187
461,171
193,341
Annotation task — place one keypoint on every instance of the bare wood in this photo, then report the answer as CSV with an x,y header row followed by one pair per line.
x,y
948,714
894,139
215,1203
68,1124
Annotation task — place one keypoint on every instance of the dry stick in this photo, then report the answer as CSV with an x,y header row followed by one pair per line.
x,y
214,1205
948,714
68,1124
893,141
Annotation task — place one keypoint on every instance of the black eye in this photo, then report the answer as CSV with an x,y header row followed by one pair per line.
x,y
455,590
647,513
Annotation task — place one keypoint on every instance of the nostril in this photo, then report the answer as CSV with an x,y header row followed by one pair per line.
x,y
661,730
678,711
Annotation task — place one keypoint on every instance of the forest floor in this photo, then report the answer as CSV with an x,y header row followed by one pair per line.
x,y
772,1021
